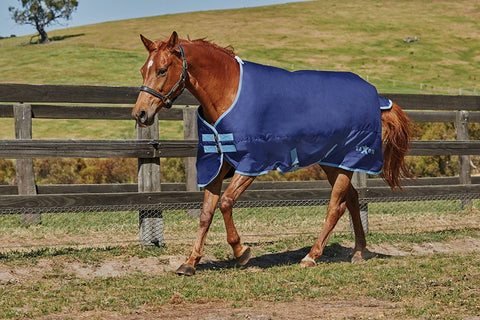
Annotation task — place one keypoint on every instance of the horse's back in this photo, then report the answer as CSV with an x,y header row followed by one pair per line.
x,y
312,98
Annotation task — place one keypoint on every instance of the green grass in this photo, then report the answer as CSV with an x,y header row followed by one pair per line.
x,y
419,286
88,129
83,129
388,222
364,37
64,64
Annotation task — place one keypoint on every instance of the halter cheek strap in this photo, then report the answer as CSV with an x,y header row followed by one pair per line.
x,y
169,99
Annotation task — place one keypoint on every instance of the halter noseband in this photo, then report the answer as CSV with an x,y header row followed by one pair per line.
x,y
168,100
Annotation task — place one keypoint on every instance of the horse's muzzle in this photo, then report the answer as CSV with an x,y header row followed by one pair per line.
x,y
142,118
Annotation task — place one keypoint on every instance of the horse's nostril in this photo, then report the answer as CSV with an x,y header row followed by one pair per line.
x,y
142,116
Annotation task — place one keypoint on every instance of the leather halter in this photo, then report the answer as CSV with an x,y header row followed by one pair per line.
x,y
168,99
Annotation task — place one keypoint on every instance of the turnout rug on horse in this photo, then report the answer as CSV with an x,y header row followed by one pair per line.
x,y
287,120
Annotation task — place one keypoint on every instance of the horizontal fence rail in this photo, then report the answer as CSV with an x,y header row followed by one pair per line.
x,y
45,111
42,111
175,197
257,185
52,148
27,93
49,148
435,148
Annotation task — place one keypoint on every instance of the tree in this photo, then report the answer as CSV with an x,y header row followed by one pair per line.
x,y
41,13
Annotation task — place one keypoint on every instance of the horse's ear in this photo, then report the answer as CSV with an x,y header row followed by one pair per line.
x,y
173,41
149,44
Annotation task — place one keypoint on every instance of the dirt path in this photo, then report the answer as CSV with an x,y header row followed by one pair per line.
x,y
120,266
365,309
301,310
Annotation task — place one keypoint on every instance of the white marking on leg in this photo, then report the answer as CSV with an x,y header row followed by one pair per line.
x,y
307,258
150,63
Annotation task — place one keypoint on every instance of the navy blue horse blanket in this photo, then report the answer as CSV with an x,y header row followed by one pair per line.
x,y
287,120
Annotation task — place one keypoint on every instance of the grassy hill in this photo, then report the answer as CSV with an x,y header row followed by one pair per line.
x,y
365,37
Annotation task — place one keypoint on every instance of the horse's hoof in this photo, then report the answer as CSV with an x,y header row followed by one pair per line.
x,y
185,270
357,258
307,264
244,257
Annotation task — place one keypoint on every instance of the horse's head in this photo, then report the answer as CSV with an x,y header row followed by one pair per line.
x,y
164,75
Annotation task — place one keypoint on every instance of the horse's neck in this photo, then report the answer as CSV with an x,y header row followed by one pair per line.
x,y
213,79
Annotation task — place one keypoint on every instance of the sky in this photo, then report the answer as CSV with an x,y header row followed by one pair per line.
x,y
95,11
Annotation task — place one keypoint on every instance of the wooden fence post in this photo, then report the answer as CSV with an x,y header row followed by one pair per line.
x,y
150,222
464,171
25,174
190,133
359,181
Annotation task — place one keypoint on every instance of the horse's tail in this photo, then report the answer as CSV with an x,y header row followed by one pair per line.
x,y
396,143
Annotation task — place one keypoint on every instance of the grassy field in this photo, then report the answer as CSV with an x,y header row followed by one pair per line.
x,y
421,263
77,283
365,37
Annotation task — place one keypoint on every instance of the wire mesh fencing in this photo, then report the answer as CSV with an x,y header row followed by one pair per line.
x,y
161,224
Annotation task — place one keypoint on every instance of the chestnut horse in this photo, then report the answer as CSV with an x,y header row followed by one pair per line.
x,y
211,74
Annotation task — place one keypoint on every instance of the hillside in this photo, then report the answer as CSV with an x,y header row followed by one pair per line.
x,y
365,37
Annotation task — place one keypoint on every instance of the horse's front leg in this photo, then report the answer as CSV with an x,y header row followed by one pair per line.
x,y
210,201
236,187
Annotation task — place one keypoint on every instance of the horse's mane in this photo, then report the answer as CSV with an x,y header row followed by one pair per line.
x,y
227,50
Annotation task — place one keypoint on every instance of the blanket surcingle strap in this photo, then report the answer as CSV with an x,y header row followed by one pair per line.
x,y
288,120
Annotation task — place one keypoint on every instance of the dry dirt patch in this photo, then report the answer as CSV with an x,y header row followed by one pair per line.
x,y
457,245
120,266
364,309
216,310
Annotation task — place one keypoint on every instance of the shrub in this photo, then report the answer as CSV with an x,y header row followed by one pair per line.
x,y
173,170
7,171
109,171
78,171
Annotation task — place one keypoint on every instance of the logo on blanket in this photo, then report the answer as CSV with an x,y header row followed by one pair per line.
x,y
365,150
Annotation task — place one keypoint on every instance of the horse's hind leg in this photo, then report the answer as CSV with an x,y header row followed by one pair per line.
x,y
236,187
354,209
340,180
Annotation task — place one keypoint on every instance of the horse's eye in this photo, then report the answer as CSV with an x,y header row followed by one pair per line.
x,y
161,72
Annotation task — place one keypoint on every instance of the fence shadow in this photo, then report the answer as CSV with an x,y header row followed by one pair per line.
x,y
333,253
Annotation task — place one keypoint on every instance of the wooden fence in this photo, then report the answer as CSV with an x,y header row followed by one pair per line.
x,y
48,101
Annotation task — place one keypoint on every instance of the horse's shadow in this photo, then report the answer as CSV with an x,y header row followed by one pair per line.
x,y
333,253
